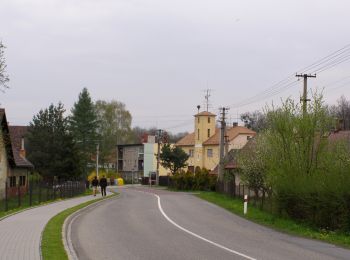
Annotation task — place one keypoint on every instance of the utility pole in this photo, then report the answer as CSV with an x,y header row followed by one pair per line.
x,y
159,133
226,143
304,99
222,142
97,154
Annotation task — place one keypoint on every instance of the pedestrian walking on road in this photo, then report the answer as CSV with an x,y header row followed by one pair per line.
x,y
103,185
94,184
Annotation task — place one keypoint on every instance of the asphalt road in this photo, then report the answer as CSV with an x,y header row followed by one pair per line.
x,y
170,225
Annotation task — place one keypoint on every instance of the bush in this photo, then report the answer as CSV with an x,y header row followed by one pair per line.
x,y
112,175
307,170
200,180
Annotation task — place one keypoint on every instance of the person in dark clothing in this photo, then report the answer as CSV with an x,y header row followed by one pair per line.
x,y
94,185
103,185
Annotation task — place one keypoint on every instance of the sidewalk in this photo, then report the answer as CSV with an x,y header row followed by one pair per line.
x,y
20,234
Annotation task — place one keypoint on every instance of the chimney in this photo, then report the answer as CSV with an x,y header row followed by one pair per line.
x,y
234,124
22,152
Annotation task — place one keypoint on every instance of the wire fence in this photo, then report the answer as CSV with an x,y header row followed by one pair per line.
x,y
37,192
259,199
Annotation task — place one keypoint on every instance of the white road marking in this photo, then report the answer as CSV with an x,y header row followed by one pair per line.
x,y
198,236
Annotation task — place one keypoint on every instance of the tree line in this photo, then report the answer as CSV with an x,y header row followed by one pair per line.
x,y
257,120
65,146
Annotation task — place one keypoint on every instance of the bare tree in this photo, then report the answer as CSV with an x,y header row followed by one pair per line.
x,y
341,112
254,120
4,78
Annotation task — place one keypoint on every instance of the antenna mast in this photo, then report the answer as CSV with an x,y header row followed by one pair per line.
x,y
207,96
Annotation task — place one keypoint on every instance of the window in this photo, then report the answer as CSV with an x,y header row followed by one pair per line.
x,y
210,153
198,134
22,180
208,133
12,181
198,119
208,120
190,153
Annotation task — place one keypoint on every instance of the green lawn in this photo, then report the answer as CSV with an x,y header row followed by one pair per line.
x,y
254,214
52,247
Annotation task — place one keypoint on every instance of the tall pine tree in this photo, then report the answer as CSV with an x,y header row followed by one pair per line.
x,y
50,145
83,126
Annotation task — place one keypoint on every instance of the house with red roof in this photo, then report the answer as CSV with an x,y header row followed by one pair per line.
x,y
14,167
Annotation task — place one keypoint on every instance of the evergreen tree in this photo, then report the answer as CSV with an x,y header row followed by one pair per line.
x,y
173,158
51,147
83,126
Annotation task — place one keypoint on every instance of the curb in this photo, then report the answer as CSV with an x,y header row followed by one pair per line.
x,y
66,228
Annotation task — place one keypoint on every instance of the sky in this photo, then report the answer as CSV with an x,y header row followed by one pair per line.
x,y
159,56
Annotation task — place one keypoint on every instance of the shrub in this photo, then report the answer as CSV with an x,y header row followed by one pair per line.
x,y
308,172
200,180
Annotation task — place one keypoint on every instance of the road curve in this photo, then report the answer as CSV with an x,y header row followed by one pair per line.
x,y
154,224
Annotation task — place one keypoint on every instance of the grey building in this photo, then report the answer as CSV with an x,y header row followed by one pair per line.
x,y
131,162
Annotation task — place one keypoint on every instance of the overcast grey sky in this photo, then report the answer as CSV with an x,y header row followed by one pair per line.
x,y
157,56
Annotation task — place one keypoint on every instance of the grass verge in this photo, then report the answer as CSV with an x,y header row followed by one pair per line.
x,y
52,247
25,203
289,226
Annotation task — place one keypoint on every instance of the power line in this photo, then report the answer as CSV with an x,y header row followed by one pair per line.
x,y
335,58
325,59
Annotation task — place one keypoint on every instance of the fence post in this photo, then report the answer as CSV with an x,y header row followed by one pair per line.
x,y
235,189
6,198
19,194
30,191
39,195
245,207
47,190
54,189
61,189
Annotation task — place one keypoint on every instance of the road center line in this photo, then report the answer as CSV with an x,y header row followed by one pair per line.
x,y
198,236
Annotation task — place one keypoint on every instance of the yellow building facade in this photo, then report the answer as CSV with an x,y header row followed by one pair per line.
x,y
202,145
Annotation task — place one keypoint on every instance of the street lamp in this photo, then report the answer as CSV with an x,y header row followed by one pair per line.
x,y
97,154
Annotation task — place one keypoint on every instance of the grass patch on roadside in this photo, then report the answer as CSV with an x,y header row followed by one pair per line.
x,y
52,247
25,203
290,226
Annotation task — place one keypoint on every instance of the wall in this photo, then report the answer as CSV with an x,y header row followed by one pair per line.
x,y
150,160
3,167
211,162
130,158
201,123
191,160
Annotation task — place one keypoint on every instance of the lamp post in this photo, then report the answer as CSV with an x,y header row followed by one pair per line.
x,y
97,154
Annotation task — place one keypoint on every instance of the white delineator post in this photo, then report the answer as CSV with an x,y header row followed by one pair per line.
x,y
245,204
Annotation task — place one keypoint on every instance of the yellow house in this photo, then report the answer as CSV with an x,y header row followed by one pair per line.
x,y
202,145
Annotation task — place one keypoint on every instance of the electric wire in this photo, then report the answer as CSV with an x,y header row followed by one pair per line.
x,y
335,58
